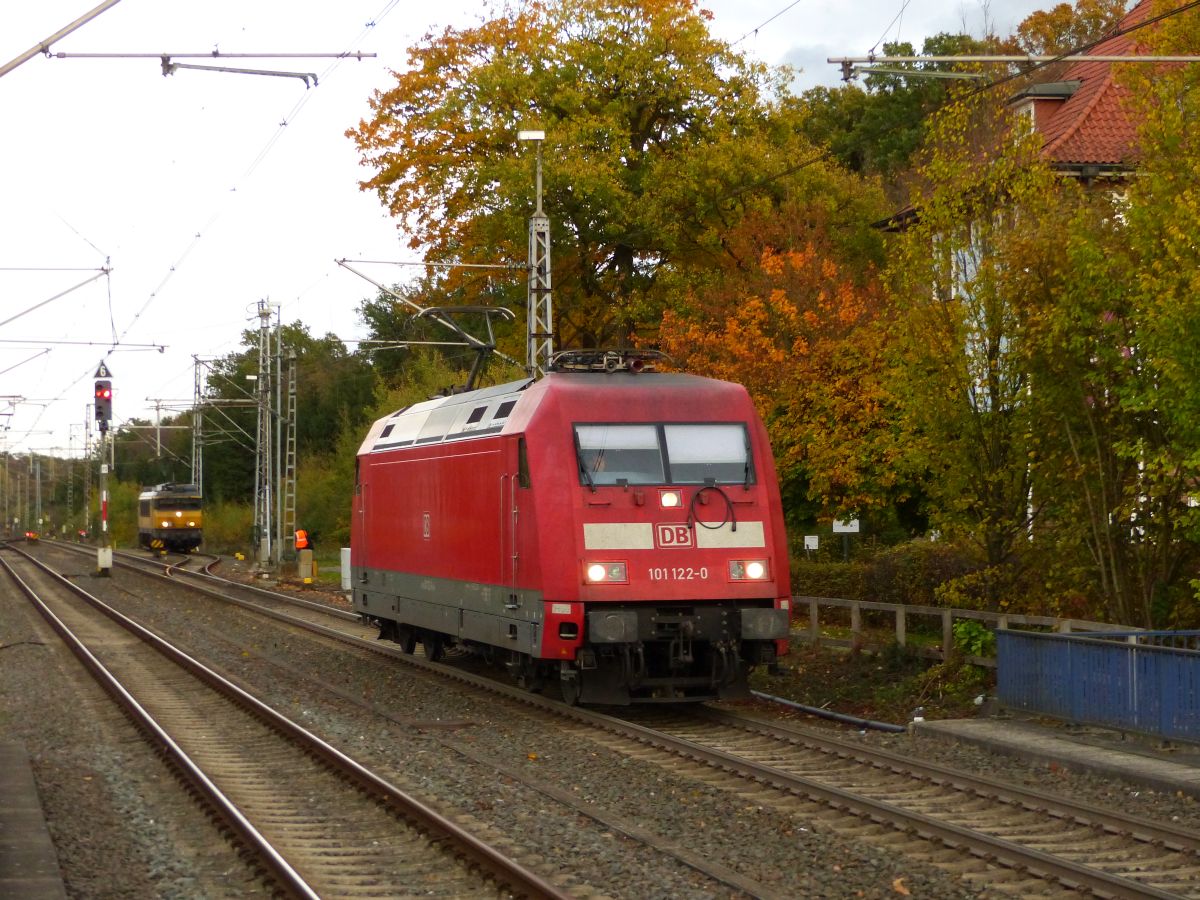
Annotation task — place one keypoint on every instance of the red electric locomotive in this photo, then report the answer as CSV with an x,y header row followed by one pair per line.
x,y
610,527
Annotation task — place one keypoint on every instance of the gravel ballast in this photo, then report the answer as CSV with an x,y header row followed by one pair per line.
x,y
127,832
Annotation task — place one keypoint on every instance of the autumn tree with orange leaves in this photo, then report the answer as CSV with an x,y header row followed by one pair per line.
x,y
658,138
796,321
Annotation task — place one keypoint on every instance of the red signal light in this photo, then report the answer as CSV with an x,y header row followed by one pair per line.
x,y
103,403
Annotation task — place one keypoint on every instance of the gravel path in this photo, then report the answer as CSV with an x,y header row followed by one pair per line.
x,y
125,832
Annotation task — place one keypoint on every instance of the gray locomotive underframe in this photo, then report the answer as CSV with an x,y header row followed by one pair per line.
x,y
511,618
491,614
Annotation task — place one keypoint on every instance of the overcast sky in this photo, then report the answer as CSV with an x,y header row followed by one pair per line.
x,y
207,192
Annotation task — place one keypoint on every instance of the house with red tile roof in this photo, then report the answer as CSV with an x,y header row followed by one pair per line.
x,y
1087,130
1084,119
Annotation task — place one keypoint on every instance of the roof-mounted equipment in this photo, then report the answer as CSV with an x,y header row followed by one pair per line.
x,y
611,360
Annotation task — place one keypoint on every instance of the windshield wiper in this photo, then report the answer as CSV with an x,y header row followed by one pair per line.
x,y
583,469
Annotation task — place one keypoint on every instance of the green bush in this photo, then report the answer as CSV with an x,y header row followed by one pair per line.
x,y
227,527
973,638
912,572
122,512
906,573
829,579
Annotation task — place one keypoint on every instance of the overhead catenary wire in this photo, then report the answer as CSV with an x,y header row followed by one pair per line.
x,y
100,273
338,59
1074,52
55,343
42,352
757,28
898,17
421,310
1078,53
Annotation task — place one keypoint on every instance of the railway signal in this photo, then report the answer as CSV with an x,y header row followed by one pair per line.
x,y
103,414
103,403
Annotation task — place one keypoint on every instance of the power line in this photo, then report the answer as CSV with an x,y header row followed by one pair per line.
x,y
1074,52
766,23
903,7
1039,62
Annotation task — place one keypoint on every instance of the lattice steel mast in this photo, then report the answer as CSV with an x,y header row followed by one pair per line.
x,y
539,307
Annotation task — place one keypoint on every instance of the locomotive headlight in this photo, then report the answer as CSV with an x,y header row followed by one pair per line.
x,y
191,524
747,569
606,573
670,499
178,514
166,523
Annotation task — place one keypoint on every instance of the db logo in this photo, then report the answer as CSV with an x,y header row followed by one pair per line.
x,y
672,536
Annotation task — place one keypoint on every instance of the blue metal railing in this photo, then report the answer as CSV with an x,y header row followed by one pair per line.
x,y
1139,681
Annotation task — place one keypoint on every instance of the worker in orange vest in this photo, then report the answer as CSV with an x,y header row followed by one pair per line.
x,y
302,541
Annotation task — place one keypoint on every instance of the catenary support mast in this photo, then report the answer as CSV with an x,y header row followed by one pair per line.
x,y
262,445
539,311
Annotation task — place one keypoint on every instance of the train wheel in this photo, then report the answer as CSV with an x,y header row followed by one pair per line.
x,y
406,637
435,647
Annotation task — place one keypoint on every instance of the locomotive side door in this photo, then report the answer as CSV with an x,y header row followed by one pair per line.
x,y
358,547
515,477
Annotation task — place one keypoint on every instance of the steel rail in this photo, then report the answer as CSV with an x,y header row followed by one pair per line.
x,y
501,868
172,569
1008,853
1077,811
287,877
978,844
687,857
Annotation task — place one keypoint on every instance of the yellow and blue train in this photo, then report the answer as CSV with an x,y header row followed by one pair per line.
x,y
171,517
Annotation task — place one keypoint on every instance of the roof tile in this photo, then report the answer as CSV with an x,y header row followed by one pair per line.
x,y
1093,127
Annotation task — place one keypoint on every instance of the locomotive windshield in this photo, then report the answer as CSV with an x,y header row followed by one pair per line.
x,y
178,503
663,454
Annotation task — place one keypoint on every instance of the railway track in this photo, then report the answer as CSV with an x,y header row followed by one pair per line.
x,y
1021,832
330,829
1018,842
329,621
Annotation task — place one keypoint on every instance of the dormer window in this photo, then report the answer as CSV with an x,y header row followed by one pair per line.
x,y
1041,101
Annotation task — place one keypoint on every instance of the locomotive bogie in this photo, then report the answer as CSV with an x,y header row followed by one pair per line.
x,y
621,534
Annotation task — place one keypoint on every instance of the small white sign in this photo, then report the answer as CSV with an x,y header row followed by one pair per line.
x,y
850,527
810,542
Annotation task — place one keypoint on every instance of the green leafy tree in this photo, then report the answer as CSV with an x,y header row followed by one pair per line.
x,y
657,137
876,129
1064,27
1112,361
1088,454
335,391
1163,326
794,321
961,338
